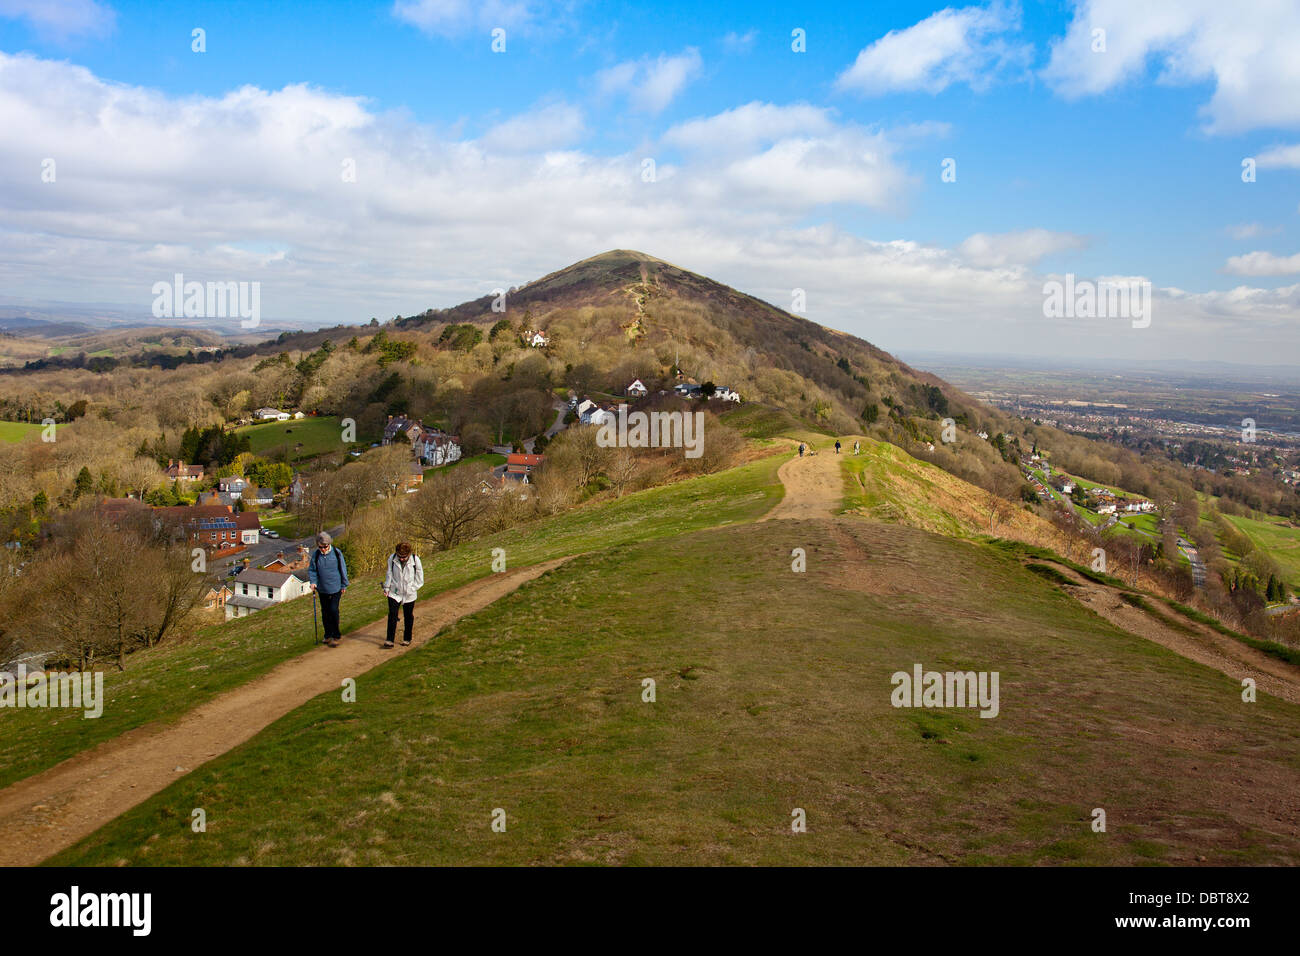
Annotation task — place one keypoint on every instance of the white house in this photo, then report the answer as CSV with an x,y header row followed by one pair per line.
x,y
1106,509
535,338
726,394
584,408
599,416
435,447
256,590
271,415
636,390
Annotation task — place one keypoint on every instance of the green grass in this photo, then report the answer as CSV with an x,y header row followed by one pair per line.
x,y
163,683
1143,522
765,422
486,460
285,524
16,431
1277,540
318,436
773,693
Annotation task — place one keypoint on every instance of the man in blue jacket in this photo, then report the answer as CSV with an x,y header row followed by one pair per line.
x,y
328,574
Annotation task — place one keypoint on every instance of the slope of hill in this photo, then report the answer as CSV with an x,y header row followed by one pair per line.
x,y
887,484
535,705
632,315
772,695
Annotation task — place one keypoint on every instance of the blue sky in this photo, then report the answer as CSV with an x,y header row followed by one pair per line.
x,y
775,169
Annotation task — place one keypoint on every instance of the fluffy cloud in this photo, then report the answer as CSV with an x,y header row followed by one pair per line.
x,y
1280,157
552,126
749,125
62,19
1263,264
1249,55
448,17
257,185
1017,248
1251,230
651,84
951,46
739,42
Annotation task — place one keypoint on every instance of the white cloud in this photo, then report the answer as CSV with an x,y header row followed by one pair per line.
x,y
740,42
1248,53
1017,248
549,127
651,84
1280,157
1251,230
1263,264
248,186
951,46
749,125
61,19
449,17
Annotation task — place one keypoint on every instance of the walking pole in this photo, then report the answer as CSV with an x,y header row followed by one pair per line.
x,y
314,638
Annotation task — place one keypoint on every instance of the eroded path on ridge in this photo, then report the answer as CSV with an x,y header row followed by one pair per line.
x,y
814,487
1189,639
50,811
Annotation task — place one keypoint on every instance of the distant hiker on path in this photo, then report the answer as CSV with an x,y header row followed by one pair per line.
x,y
802,446
856,446
837,446
402,585
328,574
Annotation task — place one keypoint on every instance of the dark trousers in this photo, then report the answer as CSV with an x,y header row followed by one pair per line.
x,y
408,612
329,612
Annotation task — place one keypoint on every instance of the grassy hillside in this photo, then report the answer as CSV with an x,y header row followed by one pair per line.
x,y
773,693
885,483
17,431
162,683
1276,538
298,439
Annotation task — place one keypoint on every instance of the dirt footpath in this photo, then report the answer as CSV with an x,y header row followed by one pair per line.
x,y
46,813
814,487
1204,645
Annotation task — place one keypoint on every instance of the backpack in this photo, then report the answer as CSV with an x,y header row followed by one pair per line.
x,y
338,562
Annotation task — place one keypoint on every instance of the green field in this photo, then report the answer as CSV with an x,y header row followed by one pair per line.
x,y
317,436
773,692
1148,522
1278,540
486,460
285,524
17,431
163,683
764,421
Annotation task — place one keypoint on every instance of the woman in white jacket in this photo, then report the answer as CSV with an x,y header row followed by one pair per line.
x,y
402,585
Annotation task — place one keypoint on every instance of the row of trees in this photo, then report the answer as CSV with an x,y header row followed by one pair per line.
x,y
98,590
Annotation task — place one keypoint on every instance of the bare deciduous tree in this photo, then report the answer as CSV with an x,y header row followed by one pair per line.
x,y
446,510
